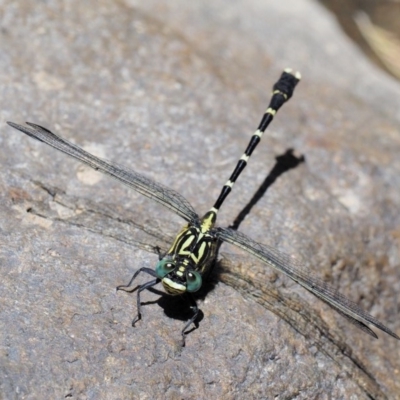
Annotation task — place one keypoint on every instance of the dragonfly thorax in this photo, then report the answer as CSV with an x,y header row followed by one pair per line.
x,y
191,255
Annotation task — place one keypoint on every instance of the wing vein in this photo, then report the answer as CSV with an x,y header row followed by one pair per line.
x,y
300,274
159,193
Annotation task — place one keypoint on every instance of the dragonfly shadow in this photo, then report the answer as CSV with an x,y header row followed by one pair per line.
x,y
179,307
284,163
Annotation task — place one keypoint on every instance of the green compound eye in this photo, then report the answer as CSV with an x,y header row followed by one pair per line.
x,y
193,281
163,268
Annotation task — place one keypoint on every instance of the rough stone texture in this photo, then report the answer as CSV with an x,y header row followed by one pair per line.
x,y
174,89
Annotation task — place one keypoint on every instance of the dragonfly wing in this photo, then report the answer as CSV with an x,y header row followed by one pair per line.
x,y
163,195
303,276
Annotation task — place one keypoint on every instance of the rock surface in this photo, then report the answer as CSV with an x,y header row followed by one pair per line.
x,y
174,90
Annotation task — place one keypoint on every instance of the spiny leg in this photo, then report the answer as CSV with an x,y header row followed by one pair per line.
x,y
140,289
144,269
160,253
282,92
192,320
139,306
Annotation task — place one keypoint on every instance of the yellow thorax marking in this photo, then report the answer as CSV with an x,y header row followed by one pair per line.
x,y
208,221
182,244
178,236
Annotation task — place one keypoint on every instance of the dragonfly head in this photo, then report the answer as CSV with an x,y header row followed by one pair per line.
x,y
177,278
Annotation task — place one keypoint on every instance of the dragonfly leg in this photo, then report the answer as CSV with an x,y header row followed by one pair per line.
x,y
192,320
139,306
139,289
147,270
159,252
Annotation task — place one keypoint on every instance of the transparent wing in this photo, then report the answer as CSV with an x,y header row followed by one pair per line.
x,y
300,274
167,197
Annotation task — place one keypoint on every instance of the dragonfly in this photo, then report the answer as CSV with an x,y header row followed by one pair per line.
x,y
187,264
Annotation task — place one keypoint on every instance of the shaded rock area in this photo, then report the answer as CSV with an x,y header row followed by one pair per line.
x,y
174,90
374,26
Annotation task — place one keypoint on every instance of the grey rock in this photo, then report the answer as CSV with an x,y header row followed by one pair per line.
x,y
174,90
